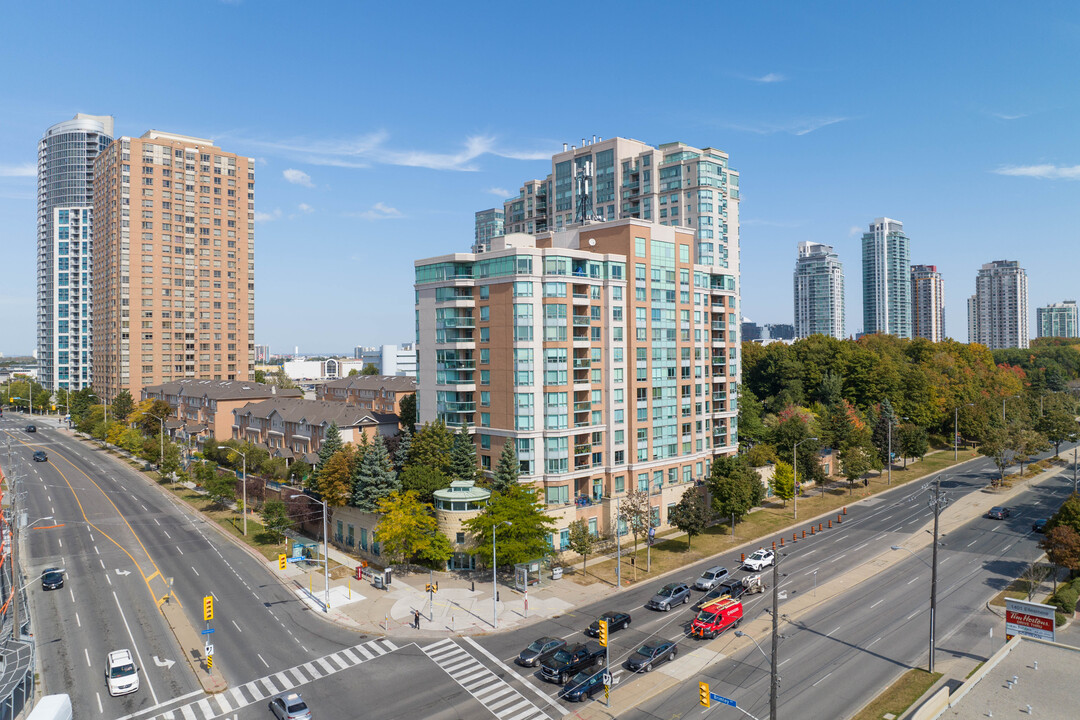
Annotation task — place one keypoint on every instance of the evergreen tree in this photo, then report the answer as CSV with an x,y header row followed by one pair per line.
x,y
373,479
463,456
431,446
423,480
122,405
401,455
886,419
508,468
527,537
330,445
408,411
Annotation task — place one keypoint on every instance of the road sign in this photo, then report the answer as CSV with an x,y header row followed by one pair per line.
x,y
207,631
722,700
607,678
209,649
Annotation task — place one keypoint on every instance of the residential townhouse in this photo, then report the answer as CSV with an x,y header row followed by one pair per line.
x,y
377,393
202,408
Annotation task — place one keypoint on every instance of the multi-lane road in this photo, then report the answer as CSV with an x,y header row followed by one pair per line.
x,y
123,540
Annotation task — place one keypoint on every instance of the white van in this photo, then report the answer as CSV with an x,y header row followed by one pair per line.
x,y
52,707
121,675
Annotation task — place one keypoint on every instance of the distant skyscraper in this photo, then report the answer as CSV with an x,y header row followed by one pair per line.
x,y
998,312
819,291
886,279
65,241
174,263
1057,320
489,224
927,303
262,354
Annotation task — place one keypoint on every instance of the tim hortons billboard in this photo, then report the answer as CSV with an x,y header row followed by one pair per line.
x,y
1033,620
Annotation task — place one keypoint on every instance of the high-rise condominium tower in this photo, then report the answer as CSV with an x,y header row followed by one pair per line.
x,y
174,263
66,156
489,224
1057,320
886,279
998,311
927,303
819,291
606,351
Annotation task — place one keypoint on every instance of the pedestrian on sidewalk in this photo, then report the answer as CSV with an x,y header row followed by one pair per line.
x,y
416,619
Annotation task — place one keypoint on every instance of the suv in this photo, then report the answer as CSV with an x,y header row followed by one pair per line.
x,y
711,577
998,513
40,456
670,594
761,558
31,428
121,675
52,578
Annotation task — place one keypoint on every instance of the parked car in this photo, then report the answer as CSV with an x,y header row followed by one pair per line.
x,y
290,706
40,456
538,651
121,674
711,577
52,579
567,662
761,558
998,513
615,621
1039,526
31,428
670,595
583,685
648,656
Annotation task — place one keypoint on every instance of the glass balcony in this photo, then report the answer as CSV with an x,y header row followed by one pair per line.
x,y
582,321
582,406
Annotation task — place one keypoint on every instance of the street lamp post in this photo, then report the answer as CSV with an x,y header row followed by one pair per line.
x,y
161,461
326,547
243,486
494,570
795,471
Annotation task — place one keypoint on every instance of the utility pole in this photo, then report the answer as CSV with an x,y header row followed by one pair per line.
x,y
16,629
774,678
937,503
889,459
955,430
618,547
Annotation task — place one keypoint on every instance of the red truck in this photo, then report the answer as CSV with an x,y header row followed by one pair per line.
x,y
716,617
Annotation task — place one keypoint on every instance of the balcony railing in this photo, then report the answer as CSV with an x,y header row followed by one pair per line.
x,y
582,363
582,406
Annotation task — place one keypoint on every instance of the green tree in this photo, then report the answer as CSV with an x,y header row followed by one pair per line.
x,y
334,482
1058,425
783,482
374,479
1067,515
436,552
855,461
463,456
636,512
431,446
885,424
997,445
62,399
146,416
581,541
275,518
1027,442
369,369
761,455
80,400
122,406
528,536
282,380
424,481
260,376
752,429
172,464
406,525
914,442
408,411
507,469
735,487
690,514
330,446
220,487
1062,546
401,453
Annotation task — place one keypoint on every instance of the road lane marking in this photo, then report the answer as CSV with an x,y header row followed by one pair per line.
x,y
61,541
72,594
784,661
839,557
167,534
157,521
77,620
179,550
96,550
540,693
822,679
261,658
877,603
99,708
108,579
87,657
914,614
195,571
972,542
135,646
912,580
236,626
874,640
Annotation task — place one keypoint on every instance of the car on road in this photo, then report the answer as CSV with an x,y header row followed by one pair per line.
x,y
711,577
670,595
648,656
52,579
31,428
1039,526
571,660
290,706
583,686
40,456
761,558
538,651
121,674
615,621
998,513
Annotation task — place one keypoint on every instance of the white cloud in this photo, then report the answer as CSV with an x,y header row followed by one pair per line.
x,y
305,208
854,230
268,217
1044,172
500,192
379,211
1008,116
22,170
297,177
372,149
769,78
802,126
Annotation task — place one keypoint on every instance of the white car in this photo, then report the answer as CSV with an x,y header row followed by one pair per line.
x,y
121,674
761,558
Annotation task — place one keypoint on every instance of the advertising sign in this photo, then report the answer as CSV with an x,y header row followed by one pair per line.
x,y
1033,620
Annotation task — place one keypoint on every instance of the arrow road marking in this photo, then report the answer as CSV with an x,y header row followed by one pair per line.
x,y
164,663
123,572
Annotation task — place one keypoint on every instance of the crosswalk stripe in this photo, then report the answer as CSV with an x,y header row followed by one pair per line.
x,y
330,670
458,663
298,676
187,712
364,651
336,662
525,714
524,703
445,641
269,685
312,670
467,680
254,691
239,697
223,704
204,705
503,702
499,691
376,647
284,681
389,645
351,657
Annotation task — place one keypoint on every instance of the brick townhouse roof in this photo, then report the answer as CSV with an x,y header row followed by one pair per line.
x,y
220,389
396,383
315,412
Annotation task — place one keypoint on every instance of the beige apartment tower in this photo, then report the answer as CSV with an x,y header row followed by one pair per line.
x,y
174,263
927,303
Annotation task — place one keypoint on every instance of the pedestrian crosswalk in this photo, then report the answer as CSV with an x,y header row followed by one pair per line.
x,y
491,691
264,688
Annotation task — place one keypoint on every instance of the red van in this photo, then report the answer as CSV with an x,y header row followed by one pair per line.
x,y
716,617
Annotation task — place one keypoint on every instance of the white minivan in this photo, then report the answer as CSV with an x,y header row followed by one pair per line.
x,y
121,675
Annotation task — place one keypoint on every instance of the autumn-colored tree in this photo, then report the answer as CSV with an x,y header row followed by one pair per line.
x,y
1062,546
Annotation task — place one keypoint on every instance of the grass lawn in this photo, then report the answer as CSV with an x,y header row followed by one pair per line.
x,y
901,695
766,523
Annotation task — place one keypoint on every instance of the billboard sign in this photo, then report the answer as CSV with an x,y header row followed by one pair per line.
x,y
1033,620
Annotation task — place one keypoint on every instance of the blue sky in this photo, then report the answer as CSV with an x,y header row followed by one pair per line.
x,y
381,127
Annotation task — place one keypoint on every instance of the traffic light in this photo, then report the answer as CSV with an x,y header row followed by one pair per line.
x,y
427,588
703,694
208,607
603,633
282,561
435,587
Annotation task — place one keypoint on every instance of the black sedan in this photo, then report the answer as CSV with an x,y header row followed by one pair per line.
x,y
1039,526
41,456
649,655
52,579
538,651
998,513
583,685
31,428
615,621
